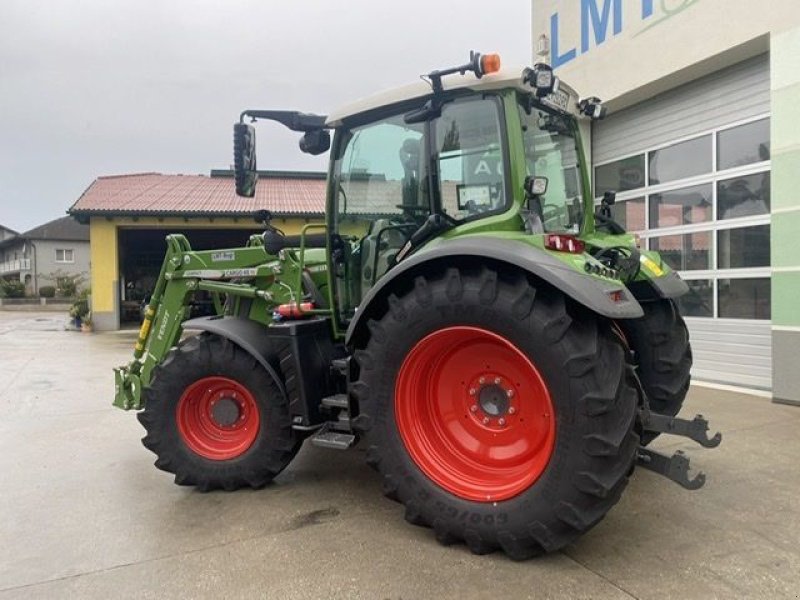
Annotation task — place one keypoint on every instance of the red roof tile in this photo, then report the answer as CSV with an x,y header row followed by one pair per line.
x,y
153,193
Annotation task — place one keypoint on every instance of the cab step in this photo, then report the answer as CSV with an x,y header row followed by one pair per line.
x,y
332,439
336,401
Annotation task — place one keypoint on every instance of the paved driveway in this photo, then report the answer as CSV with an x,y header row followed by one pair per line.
x,y
83,513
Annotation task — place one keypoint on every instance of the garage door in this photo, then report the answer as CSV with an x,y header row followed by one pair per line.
x,y
692,172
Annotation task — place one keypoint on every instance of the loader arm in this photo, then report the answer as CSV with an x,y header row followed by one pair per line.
x,y
184,272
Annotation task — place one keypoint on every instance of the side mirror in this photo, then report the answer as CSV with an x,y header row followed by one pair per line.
x,y
244,159
609,199
315,141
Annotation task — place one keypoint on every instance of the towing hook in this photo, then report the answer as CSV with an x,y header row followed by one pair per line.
x,y
696,429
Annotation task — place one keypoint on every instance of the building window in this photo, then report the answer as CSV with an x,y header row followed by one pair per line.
x,y
743,145
704,205
620,176
743,196
679,161
744,298
65,255
629,214
681,207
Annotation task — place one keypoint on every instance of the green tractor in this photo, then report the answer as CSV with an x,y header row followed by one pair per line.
x,y
500,344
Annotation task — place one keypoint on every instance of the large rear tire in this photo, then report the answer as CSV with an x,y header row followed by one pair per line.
x,y
215,418
660,341
497,413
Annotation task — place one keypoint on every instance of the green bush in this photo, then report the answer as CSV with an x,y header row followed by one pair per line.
x,y
47,291
80,307
12,288
67,286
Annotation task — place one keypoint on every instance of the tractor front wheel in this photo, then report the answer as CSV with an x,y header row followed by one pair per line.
x,y
660,341
215,418
498,413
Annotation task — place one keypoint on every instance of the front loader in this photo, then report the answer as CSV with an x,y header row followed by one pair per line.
x,y
502,347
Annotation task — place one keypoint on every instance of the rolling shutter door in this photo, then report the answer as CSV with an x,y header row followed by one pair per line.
x,y
736,352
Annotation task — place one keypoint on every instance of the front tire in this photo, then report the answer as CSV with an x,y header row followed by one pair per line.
x,y
215,418
660,341
453,357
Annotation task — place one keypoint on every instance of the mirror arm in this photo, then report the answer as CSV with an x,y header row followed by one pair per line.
x,y
294,120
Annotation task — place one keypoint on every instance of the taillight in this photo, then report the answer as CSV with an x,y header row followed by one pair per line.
x,y
564,243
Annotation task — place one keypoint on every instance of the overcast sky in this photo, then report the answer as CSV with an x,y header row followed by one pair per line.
x,y
105,87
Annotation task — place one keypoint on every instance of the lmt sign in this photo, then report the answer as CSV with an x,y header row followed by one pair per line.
x,y
601,18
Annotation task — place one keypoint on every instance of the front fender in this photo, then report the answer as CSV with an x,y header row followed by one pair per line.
x,y
249,335
589,291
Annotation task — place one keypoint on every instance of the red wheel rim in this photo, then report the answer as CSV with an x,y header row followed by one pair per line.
x,y
474,414
218,418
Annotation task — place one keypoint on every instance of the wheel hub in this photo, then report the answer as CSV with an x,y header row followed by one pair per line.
x,y
493,400
474,413
226,411
218,418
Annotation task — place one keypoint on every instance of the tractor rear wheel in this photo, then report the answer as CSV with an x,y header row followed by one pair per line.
x,y
215,418
660,341
498,413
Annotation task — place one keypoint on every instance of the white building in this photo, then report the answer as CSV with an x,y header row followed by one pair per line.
x,y
703,147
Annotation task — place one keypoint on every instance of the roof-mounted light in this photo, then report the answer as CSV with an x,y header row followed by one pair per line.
x,y
542,79
489,63
593,108
480,64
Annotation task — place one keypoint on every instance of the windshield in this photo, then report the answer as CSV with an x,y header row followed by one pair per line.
x,y
551,152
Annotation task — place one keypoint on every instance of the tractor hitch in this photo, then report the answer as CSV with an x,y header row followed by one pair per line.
x,y
696,429
675,467
127,389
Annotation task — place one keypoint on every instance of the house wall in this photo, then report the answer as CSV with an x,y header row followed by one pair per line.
x,y
43,260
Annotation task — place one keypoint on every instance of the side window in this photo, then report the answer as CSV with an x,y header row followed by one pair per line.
x,y
379,172
470,158
381,200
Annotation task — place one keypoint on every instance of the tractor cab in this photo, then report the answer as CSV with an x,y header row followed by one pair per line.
x,y
470,148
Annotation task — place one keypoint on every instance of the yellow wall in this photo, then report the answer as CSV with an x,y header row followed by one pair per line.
x,y
104,264
104,251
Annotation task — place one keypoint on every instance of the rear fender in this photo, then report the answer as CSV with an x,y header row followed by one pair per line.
x,y
589,291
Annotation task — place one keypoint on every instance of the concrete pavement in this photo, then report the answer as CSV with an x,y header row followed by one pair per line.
x,y
83,513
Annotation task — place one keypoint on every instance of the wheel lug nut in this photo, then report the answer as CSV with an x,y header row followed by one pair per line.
x,y
472,391
497,380
482,380
501,422
509,393
485,420
511,410
473,408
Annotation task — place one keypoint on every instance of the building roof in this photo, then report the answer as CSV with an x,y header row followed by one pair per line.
x,y
285,193
505,78
64,228
61,229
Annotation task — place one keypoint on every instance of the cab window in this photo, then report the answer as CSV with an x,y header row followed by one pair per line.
x,y
470,159
380,187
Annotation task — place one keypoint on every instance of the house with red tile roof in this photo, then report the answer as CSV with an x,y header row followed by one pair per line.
x,y
129,217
